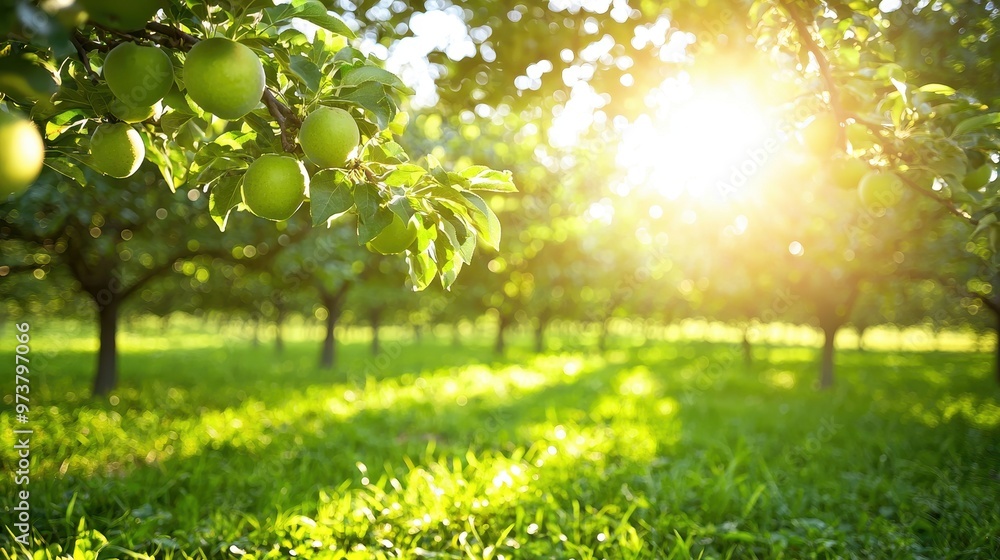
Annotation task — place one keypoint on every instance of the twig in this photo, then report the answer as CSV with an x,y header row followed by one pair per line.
x,y
173,32
82,53
948,205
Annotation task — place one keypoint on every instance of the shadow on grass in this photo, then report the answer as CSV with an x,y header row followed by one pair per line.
x,y
313,430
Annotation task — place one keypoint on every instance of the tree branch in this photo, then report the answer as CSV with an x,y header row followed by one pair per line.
x,y
826,72
170,36
180,36
947,204
280,113
81,52
164,267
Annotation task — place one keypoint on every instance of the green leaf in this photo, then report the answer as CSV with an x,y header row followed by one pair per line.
x,y
367,200
482,178
349,55
485,220
225,196
939,89
330,196
422,269
984,222
464,246
976,123
372,96
68,169
369,227
363,74
405,175
448,263
312,11
305,70
25,80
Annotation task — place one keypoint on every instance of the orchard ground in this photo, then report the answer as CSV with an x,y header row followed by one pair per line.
x,y
664,448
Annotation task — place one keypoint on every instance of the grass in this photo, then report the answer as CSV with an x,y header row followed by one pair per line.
x,y
213,448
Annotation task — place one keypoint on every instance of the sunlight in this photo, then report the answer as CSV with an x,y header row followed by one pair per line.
x,y
707,144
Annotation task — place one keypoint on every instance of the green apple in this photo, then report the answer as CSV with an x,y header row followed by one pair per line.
x,y
130,114
848,172
116,150
127,15
978,177
395,238
860,137
820,136
274,187
328,136
22,154
880,190
224,77
138,76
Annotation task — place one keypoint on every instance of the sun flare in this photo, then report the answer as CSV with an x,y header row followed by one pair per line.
x,y
703,144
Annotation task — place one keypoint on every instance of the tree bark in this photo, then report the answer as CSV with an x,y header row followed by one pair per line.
x,y
334,303
826,365
996,351
279,340
500,345
375,320
107,354
861,338
329,355
747,348
540,326
602,340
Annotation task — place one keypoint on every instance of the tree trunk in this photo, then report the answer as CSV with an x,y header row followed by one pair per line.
x,y
334,303
996,363
107,355
500,345
456,335
375,319
747,348
418,333
602,340
329,355
256,333
540,334
861,339
826,366
279,327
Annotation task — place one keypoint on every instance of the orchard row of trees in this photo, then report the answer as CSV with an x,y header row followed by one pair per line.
x,y
873,198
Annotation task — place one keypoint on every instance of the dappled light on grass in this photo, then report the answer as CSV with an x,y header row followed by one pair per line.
x,y
781,379
648,450
973,409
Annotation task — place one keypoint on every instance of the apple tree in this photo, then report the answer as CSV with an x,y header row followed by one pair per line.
x,y
263,107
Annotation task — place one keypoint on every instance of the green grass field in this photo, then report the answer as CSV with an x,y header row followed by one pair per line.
x,y
213,448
